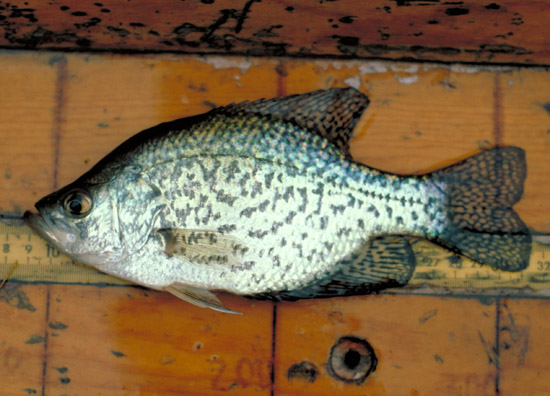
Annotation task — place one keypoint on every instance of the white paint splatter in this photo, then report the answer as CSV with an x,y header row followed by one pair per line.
x,y
373,68
353,81
408,80
226,62
464,69
336,65
364,67
237,79
411,68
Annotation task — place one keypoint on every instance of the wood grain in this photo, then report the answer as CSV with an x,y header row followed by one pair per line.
x,y
130,341
415,110
525,116
28,111
418,341
473,31
62,112
523,347
22,335
108,99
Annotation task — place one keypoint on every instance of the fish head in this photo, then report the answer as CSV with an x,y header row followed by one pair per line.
x,y
81,220
100,221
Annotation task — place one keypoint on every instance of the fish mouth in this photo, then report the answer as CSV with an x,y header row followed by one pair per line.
x,y
45,229
40,226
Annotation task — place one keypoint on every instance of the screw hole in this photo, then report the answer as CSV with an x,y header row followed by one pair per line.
x,y
352,358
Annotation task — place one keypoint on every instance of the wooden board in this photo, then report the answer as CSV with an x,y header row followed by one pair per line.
x,y
503,31
62,112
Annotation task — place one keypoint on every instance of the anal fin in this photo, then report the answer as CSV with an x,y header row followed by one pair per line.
x,y
380,263
199,297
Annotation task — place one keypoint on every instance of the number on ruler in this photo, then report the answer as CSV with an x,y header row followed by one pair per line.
x,y
51,251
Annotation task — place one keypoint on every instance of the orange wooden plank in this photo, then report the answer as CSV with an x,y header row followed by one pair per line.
x,y
419,117
524,347
122,340
424,345
102,106
473,31
525,116
28,129
107,99
23,309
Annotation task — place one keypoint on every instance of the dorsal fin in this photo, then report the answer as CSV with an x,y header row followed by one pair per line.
x,y
331,113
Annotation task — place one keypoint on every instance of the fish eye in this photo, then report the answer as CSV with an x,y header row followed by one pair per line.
x,y
77,203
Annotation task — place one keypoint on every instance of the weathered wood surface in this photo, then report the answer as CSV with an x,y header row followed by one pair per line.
x,y
60,113
474,31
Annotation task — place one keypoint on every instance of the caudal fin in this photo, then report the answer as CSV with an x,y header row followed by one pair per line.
x,y
481,192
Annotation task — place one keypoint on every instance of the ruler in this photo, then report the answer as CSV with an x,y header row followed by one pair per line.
x,y
439,268
27,257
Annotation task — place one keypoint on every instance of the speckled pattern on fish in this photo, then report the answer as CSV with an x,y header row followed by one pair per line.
x,y
263,199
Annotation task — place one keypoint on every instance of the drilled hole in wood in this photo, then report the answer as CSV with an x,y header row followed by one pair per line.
x,y
351,360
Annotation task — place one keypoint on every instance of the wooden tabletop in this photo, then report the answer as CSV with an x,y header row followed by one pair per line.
x,y
481,31
60,113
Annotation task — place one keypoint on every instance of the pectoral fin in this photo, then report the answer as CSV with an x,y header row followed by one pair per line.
x,y
203,247
199,297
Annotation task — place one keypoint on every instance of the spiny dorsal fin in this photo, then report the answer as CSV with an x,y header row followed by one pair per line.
x,y
380,263
199,297
204,247
331,113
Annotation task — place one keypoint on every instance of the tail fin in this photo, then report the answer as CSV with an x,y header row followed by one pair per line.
x,y
481,192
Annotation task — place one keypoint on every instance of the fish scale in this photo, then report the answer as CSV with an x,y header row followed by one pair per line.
x,y
262,199
295,211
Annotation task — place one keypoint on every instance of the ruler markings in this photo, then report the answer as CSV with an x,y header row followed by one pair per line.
x,y
38,261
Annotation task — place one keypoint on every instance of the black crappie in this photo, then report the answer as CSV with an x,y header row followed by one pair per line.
x,y
263,199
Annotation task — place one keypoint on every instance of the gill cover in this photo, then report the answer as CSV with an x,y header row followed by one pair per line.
x,y
138,202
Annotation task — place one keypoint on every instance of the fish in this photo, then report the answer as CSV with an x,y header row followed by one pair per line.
x,y
263,199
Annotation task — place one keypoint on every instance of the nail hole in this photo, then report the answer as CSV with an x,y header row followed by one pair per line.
x,y
351,360
305,371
